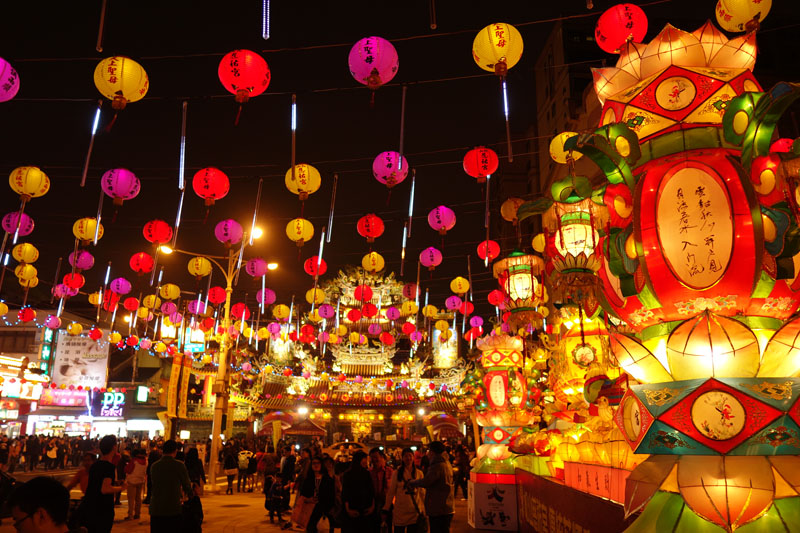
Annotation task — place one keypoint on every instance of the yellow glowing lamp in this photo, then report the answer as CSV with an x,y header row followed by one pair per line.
x,y
29,182
497,47
263,333
25,272
94,298
539,243
3,309
429,311
114,337
151,301
169,291
314,316
299,231
315,296
742,15
341,330
459,285
280,312
306,180
333,338
199,267
354,337
25,253
446,335
74,329
160,347
29,283
248,332
576,237
508,209
143,313
84,229
557,151
373,262
121,80
409,308
442,325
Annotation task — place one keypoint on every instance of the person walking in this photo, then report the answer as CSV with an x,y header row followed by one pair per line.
x,y
229,466
243,462
381,475
170,482
462,468
135,471
438,482
197,473
408,510
97,507
81,477
319,488
154,456
358,496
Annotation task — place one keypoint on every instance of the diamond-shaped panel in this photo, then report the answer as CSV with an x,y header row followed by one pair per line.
x,y
630,404
664,440
497,434
781,437
659,397
780,393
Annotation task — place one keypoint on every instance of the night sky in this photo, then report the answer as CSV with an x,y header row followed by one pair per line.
x,y
180,44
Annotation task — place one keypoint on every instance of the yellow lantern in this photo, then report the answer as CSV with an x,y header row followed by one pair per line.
x,y
169,291
333,338
459,285
341,330
742,15
248,332
29,182
409,308
238,326
94,298
445,335
497,47
429,311
121,80
84,229
280,312
151,301
25,272
315,296
143,313
314,317
557,151
74,329
263,333
199,267
442,325
508,210
160,347
299,231
373,262
25,253
114,337
29,283
306,180
3,309
355,337
539,243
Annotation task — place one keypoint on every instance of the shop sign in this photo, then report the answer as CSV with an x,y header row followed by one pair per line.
x,y
112,404
81,361
492,506
9,414
25,391
63,397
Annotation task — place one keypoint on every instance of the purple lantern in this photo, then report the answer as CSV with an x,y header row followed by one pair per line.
x,y
274,328
430,257
10,79
385,168
229,232
10,223
476,322
53,322
62,291
82,260
393,313
120,184
326,311
323,336
176,318
168,308
121,286
256,267
266,296
196,307
416,336
374,329
442,219
246,367
453,303
373,61
505,327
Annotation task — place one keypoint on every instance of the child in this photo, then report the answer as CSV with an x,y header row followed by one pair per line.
x,y
274,499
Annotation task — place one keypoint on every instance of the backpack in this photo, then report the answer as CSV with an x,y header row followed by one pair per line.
x,y
244,460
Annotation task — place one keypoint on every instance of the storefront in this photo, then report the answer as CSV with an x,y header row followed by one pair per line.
x,y
60,412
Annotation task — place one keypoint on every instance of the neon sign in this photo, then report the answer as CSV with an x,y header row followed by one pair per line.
x,y
112,405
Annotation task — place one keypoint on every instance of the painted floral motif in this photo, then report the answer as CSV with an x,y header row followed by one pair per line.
x,y
698,305
777,304
640,316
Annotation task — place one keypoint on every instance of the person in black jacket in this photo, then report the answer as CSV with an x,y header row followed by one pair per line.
x,y
358,496
318,486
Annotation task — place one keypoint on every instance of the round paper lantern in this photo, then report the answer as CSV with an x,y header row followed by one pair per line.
x,y
373,61
176,318
74,281
168,308
558,153
10,81
429,311
409,328
496,297
476,322
387,168
228,232
74,329
466,308
392,313
131,304
26,272
121,80
497,47
442,219
370,227
199,267
29,182
441,325
742,15
618,25
142,263
373,262
315,296
386,338
256,267
480,163
157,232
25,253
452,302
84,229
508,210
94,298
211,184
363,293
299,231
26,314
145,344
369,310
34,281
160,347
459,285
120,184
314,266
3,308
306,180
151,301
95,334
120,286
12,220
240,310
169,291
281,312
416,336
196,307
326,311
266,296
430,258
244,73
354,315
409,308
488,250
410,290
216,295
53,322
81,260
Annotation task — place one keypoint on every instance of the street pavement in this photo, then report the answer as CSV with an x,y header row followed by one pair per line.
x,y
240,512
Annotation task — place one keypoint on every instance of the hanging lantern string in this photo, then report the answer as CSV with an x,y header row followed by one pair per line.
x,y
265,20
255,211
469,275
333,205
402,125
91,139
432,14
504,86
101,27
155,264
182,158
486,217
58,273
316,271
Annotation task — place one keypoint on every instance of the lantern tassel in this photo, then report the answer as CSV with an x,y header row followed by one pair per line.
x,y
91,140
432,13
505,111
113,121
238,114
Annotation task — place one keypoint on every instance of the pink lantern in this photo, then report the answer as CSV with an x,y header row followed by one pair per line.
x,y
176,318
145,344
453,303
393,313
168,308
387,169
274,328
266,296
10,80
442,219
228,232
476,322
256,267
326,311
10,223
374,329
197,307
246,367
324,336
416,337
373,62
120,184
81,260
430,257
120,286
53,322
60,290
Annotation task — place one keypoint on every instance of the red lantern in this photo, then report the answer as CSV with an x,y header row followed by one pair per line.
x,y
74,281
386,338
354,315
110,300
157,232
133,340
216,295
131,304
496,297
240,310
363,293
342,378
410,291
370,227
208,323
244,73
95,334
307,330
26,314
481,162
619,24
473,334
369,310
287,372
211,184
314,266
466,308
409,328
488,249
142,263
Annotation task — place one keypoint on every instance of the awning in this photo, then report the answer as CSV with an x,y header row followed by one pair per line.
x,y
306,427
61,411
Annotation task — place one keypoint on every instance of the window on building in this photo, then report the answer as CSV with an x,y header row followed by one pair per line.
x,y
17,341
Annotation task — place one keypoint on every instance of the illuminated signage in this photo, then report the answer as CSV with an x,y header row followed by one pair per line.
x,y
25,391
63,397
112,404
